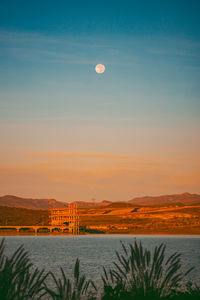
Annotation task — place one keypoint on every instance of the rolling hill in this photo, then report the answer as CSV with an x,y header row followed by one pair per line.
x,y
45,204
22,216
166,200
84,204
29,203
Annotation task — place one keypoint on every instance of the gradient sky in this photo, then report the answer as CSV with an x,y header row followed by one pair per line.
x,y
69,133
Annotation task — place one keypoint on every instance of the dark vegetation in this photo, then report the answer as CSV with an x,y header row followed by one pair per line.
x,y
94,231
137,274
135,209
106,212
17,280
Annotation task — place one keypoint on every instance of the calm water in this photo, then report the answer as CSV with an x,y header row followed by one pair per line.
x,y
96,251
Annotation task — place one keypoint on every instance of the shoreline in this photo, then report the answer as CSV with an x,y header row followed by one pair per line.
x,y
101,234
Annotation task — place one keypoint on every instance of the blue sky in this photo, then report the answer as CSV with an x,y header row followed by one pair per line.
x,y
99,17
146,103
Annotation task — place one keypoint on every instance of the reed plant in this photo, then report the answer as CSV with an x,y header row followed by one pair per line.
x,y
139,274
18,281
67,289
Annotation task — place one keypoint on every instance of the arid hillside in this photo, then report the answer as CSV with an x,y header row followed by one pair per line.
x,y
23,216
165,200
29,203
175,214
177,199
148,220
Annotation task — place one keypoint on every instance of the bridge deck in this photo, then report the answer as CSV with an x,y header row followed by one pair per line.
x,y
34,227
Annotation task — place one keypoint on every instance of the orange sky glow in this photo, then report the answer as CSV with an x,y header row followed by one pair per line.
x,y
70,133
103,176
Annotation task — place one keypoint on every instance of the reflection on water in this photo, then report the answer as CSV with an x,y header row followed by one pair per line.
x,y
95,251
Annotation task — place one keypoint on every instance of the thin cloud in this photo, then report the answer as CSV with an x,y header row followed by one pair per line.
x,y
83,155
117,183
34,37
65,49
175,47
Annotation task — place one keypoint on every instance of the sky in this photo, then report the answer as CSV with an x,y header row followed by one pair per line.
x,y
69,133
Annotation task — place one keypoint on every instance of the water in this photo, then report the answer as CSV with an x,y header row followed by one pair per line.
x,y
96,251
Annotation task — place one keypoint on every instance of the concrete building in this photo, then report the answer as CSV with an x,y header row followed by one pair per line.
x,y
58,216
65,216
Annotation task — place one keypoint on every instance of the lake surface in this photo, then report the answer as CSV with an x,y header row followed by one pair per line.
x,y
96,251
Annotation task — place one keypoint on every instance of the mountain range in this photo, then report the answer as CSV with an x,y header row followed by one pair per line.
x,y
14,201
44,204
176,199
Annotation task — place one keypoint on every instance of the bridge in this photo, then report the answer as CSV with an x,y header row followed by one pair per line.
x,y
58,218
33,227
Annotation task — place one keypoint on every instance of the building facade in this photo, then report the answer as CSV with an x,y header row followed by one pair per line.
x,y
66,217
58,216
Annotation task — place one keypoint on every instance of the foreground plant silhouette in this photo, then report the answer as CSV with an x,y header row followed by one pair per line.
x,y
137,274
17,280
67,290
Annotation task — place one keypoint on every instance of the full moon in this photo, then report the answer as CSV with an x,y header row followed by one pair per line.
x,y
100,68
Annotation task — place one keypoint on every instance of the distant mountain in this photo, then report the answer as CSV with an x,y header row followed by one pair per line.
x,y
177,199
44,204
84,204
29,203
104,203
